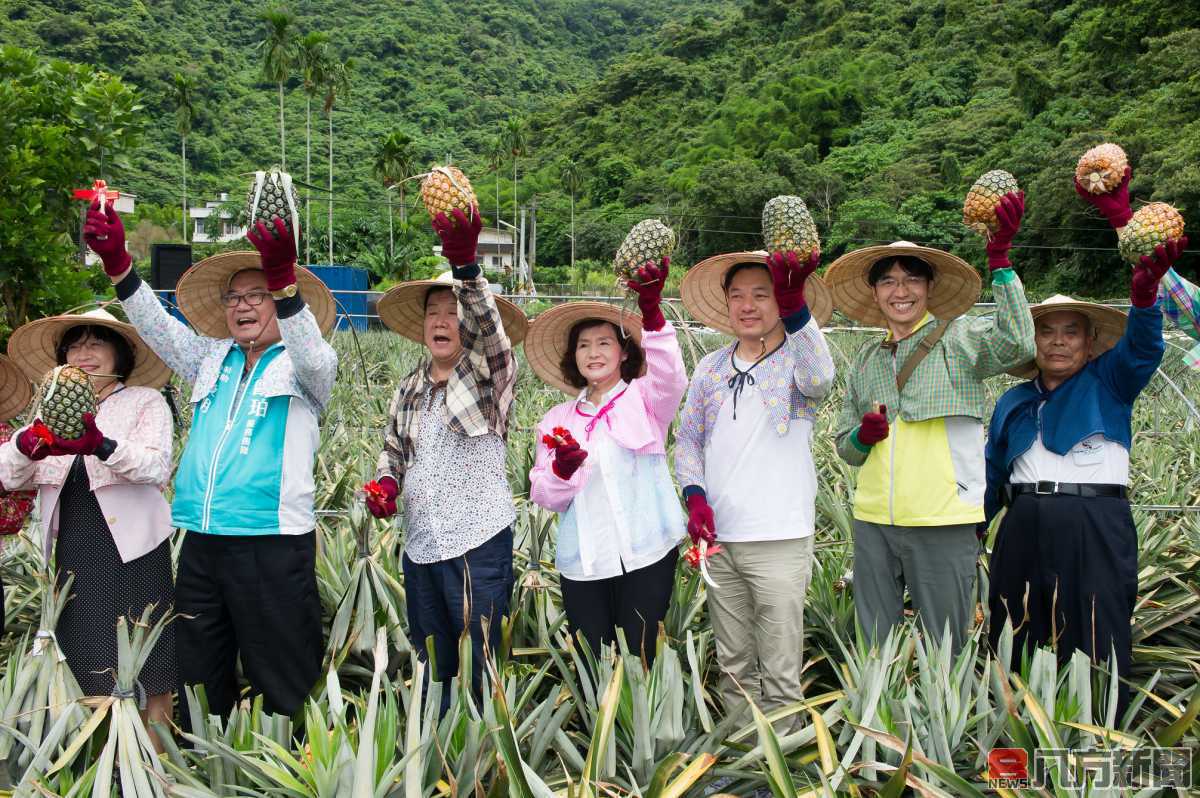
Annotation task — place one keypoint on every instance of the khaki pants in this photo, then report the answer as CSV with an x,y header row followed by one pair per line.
x,y
758,620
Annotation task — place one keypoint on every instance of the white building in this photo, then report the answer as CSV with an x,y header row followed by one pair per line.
x,y
229,228
495,249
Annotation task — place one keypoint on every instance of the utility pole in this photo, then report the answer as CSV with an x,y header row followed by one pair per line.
x,y
532,237
522,264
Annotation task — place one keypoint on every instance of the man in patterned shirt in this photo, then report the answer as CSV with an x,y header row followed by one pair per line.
x,y
917,432
444,453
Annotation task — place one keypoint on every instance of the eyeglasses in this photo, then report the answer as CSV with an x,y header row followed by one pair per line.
x,y
910,281
252,298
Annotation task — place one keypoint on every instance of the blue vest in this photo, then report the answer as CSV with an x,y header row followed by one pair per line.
x,y
1097,399
231,472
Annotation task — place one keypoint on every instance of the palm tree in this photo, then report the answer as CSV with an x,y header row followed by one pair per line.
x,y
278,58
312,56
182,87
337,81
514,140
571,178
393,165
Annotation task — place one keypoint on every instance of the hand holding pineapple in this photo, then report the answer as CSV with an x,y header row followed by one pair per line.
x,y
647,282
104,233
1143,287
1009,211
788,276
1102,181
460,237
38,441
277,251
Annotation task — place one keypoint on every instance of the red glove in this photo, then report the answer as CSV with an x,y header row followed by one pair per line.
x,y
381,497
1113,205
105,234
277,252
1008,212
1143,288
701,523
648,285
87,443
34,441
567,460
874,427
788,276
459,237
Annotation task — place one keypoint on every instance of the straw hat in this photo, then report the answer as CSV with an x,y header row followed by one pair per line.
x,y
200,288
956,285
551,331
704,297
1108,325
15,390
402,309
34,346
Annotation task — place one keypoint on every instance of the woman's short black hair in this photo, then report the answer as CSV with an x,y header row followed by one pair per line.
x,y
124,350
727,280
910,263
631,368
432,291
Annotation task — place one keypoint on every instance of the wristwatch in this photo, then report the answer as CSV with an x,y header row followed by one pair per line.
x,y
287,292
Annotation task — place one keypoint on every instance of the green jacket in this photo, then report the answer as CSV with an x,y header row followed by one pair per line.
x,y
929,471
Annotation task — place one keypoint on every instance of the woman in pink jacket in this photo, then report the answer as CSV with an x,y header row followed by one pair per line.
x,y
100,496
601,460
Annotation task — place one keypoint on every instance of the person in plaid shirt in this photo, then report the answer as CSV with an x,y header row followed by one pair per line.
x,y
920,489
444,453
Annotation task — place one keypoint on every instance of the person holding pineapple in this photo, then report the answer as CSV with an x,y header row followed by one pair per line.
x,y
913,421
1064,566
444,453
744,458
102,510
601,460
261,373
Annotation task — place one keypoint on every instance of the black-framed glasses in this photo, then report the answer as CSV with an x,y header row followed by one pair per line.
x,y
252,298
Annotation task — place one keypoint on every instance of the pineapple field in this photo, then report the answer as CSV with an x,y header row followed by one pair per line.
x,y
558,720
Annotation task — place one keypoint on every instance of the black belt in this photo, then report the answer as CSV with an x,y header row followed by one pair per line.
x,y
1081,489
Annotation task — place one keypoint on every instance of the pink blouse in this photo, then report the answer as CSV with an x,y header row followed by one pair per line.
x,y
128,486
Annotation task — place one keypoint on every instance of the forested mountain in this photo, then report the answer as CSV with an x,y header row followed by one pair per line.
x,y
879,113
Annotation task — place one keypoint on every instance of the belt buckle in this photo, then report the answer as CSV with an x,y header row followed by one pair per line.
x,y
1049,489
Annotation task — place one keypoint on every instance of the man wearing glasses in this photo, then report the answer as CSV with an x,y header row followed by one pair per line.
x,y
261,373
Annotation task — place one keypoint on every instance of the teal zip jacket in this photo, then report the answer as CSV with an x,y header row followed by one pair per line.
x,y
247,468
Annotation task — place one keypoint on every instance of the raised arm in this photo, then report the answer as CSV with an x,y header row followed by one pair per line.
x,y
666,376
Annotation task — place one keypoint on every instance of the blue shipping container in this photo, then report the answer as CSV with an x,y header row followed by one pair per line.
x,y
347,283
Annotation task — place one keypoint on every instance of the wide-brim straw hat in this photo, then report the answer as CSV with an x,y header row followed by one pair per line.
x,y
1108,325
955,289
34,346
199,291
550,333
704,296
15,389
402,309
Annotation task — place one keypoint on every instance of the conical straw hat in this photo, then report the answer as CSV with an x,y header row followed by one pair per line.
x,y
704,296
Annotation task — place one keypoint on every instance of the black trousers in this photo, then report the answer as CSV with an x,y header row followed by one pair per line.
x,y
1064,569
474,587
636,602
253,596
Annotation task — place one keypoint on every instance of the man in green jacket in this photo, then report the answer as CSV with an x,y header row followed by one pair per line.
x,y
913,420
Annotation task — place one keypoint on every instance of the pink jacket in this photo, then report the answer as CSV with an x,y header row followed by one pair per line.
x,y
638,421
128,486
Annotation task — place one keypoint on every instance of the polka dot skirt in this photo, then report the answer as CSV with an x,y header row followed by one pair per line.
x,y
105,589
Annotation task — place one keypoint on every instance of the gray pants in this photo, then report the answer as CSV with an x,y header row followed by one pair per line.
x,y
758,621
937,563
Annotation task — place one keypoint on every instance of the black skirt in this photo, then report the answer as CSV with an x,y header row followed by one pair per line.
x,y
105,588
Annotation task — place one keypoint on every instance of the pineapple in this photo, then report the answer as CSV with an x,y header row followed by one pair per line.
x,y
446,188
65,395
979,209
649,240
271,196
788,226
1102,168
1152,225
